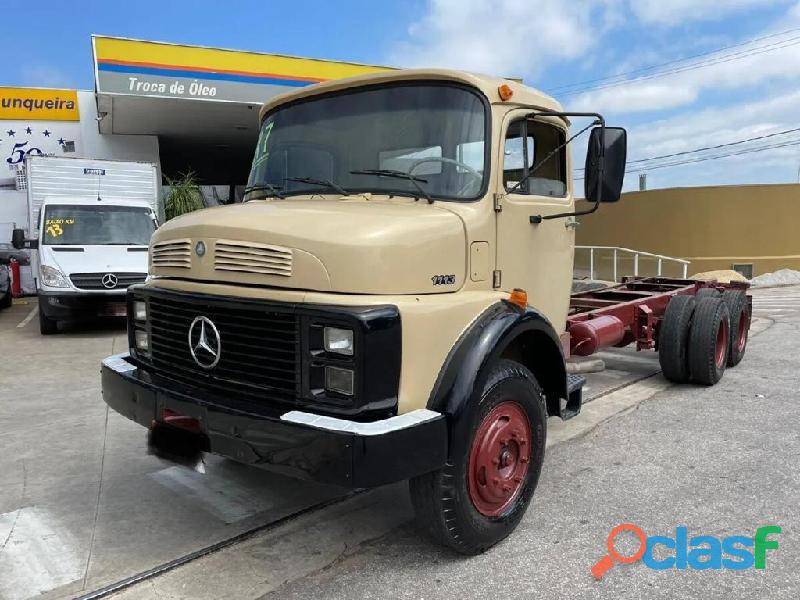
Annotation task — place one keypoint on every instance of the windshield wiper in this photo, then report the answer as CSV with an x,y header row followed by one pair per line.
x,y
397,175
264,186
322,182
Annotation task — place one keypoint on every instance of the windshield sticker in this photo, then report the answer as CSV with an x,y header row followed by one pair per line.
x,y
55,227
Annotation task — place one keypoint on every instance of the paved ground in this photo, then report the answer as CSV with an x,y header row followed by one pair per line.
x,y
92,507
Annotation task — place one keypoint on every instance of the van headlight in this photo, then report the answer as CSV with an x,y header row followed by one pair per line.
x,y
53,277
338,341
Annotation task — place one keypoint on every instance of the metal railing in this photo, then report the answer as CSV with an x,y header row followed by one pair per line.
x,y
616,251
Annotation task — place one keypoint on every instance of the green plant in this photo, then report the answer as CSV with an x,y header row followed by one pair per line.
x,y
184,195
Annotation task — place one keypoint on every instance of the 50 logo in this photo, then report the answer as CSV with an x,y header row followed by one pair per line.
x,y
735,552
18,153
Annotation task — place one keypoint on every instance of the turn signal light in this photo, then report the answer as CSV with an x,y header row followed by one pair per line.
x,y
505,92
519,298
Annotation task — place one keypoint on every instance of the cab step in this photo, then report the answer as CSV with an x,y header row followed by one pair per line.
x,y
575,385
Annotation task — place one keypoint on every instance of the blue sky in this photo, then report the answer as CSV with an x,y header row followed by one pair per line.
x,y
746,91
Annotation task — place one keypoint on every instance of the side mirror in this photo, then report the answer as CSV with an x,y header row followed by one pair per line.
x,y
18,239
605,164
20,243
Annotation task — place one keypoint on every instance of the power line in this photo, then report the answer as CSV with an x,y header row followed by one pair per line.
x,y
692,67
622,76
708,158
717,147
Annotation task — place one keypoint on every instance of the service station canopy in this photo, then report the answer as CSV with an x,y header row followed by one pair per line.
x,y
196,94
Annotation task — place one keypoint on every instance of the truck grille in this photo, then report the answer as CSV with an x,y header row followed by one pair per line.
x,y
114,281
251,257
172,254
258,356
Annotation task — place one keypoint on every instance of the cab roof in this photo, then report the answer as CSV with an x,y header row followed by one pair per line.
x,y
522,94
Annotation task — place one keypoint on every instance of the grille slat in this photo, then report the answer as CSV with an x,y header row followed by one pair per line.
x,y
252,257
94,281
258,359
176,254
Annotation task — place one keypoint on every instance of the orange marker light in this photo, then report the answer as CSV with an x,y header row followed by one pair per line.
x,y
505,92
519,298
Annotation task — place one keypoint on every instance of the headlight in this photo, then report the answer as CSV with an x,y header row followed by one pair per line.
x,y
140,310
142,341
338,340
53,277
339,380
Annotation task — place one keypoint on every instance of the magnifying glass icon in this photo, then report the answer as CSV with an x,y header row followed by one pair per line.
x,y
604,564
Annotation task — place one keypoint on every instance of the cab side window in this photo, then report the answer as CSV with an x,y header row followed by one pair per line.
x,y
532,155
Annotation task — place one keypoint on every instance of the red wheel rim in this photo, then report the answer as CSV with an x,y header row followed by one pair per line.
x,y
723,338
741,332
499,459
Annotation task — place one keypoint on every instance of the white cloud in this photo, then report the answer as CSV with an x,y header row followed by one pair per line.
x,y
505,37
41,75
776,64
674,12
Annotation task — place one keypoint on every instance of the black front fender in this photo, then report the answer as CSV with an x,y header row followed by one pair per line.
x,y
464,373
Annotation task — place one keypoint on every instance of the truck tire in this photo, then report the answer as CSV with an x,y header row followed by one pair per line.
x,y
47,326
709,337
673,338
482,492
7,299
707,293
740,324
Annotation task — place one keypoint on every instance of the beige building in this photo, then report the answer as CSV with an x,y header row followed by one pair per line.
x,y
718,227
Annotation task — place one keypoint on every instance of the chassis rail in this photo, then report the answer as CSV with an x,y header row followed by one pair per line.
x,y
628,312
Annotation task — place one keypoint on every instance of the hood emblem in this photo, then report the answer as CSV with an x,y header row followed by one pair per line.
x,y
109,281
204,342
200,248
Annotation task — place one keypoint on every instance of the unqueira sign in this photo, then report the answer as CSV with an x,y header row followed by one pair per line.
x,y
141,68
30,104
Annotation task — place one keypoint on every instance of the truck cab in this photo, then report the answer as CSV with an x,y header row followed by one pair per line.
x,y
388,303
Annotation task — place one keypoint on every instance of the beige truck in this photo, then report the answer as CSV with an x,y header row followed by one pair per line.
x,y
388,303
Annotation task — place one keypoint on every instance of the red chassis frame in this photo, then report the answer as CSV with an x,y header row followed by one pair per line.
x,y
629,312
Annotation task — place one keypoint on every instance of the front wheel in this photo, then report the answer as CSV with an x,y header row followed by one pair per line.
x,y
481,494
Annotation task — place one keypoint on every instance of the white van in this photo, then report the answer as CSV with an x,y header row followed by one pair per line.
x,y
90,227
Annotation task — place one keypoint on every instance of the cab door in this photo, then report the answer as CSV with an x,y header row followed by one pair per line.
x,y
535,181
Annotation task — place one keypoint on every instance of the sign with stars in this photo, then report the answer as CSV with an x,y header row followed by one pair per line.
x,y
32,104
20,139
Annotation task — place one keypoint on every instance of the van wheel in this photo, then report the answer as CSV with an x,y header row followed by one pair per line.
x,y
481,494
673,338
47,326
709,339
740,324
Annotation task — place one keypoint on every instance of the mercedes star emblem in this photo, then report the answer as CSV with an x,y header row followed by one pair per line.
x,y
109,281
204,342
200,248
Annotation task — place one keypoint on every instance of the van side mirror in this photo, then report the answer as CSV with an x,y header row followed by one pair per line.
x,y
20,243
605,164
18,239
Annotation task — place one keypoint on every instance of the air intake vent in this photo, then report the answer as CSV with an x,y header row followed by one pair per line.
x,y
250,257
172,254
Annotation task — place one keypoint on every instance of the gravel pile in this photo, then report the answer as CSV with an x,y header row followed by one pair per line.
x,y
780,277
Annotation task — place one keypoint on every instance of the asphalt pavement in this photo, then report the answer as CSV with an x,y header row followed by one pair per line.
x,y
82,505
720,461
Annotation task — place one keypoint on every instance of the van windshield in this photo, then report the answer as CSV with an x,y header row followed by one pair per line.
x,y
435,132
97,225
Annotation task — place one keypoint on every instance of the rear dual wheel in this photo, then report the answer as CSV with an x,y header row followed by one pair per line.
x,y
701,335
481,494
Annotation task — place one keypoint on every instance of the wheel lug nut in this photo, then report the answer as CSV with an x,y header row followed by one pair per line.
x,y
495,481
517,479
523,459
506,489
495,461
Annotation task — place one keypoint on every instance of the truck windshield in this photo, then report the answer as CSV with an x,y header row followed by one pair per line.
x,y
97,225
433,131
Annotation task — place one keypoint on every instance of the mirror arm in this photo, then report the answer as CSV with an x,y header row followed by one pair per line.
x,y
536,219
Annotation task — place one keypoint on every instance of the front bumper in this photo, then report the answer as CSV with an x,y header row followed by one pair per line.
x,y
295,443
73,305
